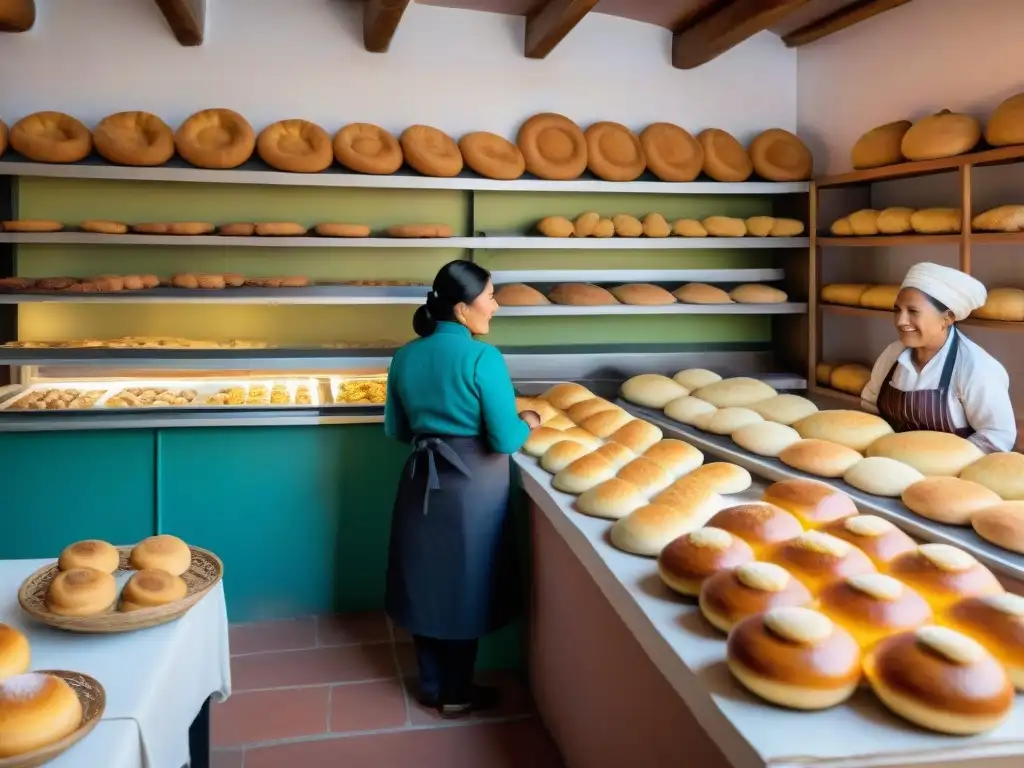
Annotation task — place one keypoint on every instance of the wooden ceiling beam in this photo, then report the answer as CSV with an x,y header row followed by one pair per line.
x,y
186,18
712,35
548,24
855,13
380,21
17,15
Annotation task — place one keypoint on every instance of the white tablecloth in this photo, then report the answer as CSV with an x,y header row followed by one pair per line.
x,y
156,679
113,744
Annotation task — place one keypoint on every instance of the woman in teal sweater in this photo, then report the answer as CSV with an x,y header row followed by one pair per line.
x,y
451,576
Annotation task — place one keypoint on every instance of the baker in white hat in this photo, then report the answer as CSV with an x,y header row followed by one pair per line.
x,y
935,378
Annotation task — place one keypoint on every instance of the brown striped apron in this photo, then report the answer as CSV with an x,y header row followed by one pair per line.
x,y
926,409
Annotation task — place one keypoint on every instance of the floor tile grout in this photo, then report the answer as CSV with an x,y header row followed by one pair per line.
x,y
330,703
401,682
312,685
314,648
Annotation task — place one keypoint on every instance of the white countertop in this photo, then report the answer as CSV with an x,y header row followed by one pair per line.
x,y
751,733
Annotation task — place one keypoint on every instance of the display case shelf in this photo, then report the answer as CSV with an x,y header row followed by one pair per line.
x,y
638,275
880,314
888,240
997,156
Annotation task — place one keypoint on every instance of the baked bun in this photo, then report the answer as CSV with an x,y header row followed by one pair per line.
x,y
1002,525
937,221
766,438
1004,304
613,499
651,528
587,408
695,378
725,159
894,221
655,225
618,455
730,596
778,155
541,439
850,378
643,294
854,429
880,476
672,153
134,138
614,152
761,525
1005,125
820,457
560,421
430,151
880,146
721,476
36,710
652,390
724,226
581,295
561,455
492,156
81,592
690,410
583,437
846,294
997,622
607,423
785,409
367,148
677,457
553,147
297,146
583,474
647,475
51,137
944,574
519,295
739,392
91,553
215,138
15,653
944,134
941,680
1000,472
702,293
150,588
794,657
949,500
880,296
877,538
685,563
814,504
164,553
565,395
725,421
818,559
637,435
755,293
873,606
930,453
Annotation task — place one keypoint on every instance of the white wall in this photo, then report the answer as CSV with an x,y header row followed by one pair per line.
x,y
457,70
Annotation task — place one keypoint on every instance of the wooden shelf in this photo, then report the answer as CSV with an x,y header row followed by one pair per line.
x,y
834,394
889,240
972,322
997,238
997,156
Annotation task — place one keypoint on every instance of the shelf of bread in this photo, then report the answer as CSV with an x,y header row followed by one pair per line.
x,y
1003,308
621,276
654,229
928,226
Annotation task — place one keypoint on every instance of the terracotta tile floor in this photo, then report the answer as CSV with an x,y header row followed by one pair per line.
x,y
339,690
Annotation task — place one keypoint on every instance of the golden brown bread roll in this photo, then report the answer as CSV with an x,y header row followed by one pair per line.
x,y
847,294
895,221
813,504
688,561
672,153
651,528
430,151
604,228
823,373
643,294
701,293
880,146
492,156
1002,525
943,574
367,148
850,378
689,228
654,225
586,224
627,226
724,226
997,622
936,221
787,228
583,474
606,423
32,225
637,435
821,458
81,592
730,596
818,559
562,454
721,476
614,152
778,155
1005,218
949,500
163,553
553,147
519,295
879,539
565,395
134,138
296,146
760,226
36,710
215,138
864,223
841,227
725,159
646,475
873,606
677,457
91,553
150,589
555,226
944,134
611,500
1006,124
3,138
1001,472
587,408
51,137
763,526
581,295
755,293
794,657
541,439
1003,304
15,652
880,297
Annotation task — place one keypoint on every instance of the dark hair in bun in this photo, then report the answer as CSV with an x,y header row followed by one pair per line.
x,y
457,282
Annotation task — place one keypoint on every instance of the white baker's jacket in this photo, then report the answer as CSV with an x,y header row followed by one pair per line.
x,y
979,393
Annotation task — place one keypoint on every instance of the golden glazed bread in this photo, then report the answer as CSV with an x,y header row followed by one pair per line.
x,y
367,148
652,390
725,159
430,151
163,553
949,500
895,221
943,574
936,221
565,395
492,156
614,152
689,228
701,293
637,435
880,297
944,134
755,293
881,476
736,392
15,653
643,294
36,710
654,225
813,503
651,528
1005,218
818,559
879,539
760,226
51,137
647,476
850,378
997,622
677,457
846,294
1006,124
1002,525
583,474
821,458
685,563
778,155
841,227
762,525
880,146
134,138
296,146
553,147
611,500
581,295
721,476
604,228
672,153
519,295
1004,304
864,223
724,226
930,453
556,226
854,429
730,596
150,589
1000,472
91,553
823,373
695,378
81,592
873,606
767,438
606,423
215,138
562,454
587,408
627,226
586,224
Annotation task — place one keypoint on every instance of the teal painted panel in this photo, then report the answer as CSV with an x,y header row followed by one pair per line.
x,y
60,487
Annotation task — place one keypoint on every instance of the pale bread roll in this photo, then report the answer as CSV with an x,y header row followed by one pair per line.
x,y
701,293
949,500
895,221
583,474
754,293
846,294
854,429
652,390
880,297
784,409
541,439
695,378
1003,304
606,423
1000,472
561,455
1002,525
581,295
611,500
651,528
882,477
850,378
722,476
643,294
737,392
930,453
768,438
725,421
646,475
519,295
565,395
638,435
675,456
820,457
689,410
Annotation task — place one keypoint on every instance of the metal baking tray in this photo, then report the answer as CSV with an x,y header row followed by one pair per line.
x,y
102,387
335,383
722,447
204,389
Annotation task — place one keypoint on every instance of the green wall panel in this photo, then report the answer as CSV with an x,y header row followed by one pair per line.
x,y
612,329
684,258
60,487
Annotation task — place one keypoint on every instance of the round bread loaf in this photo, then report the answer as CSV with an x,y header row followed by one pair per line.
x,y
930,453
821,458
778,155
1000,472
695,378
587,408
1002,525
873,606
895,221
614,152
949,500
672,153
823,373
81,592
941,680
617,455
785,409
104,227
936,221
430,151
367,148
553,147
604,228
880,146
1006,125
725,421
556,226
794,657
606,423
877,538
724,226
215,138
880,297
296,146
15,653
643,294
36,710
847,294
637,435
565,395
701,293
732,595
562,454
586,224
944,574
690,410
647,475
581,294
997,622
737,392
51,137
725,159
541,439
850,378
651,528
766,438
864,223
841,227
163,553
492,156
677,457
611,500
944,134
560,422
854,429
1003,218
881,476
814,504
818,559
722,476
519,295
754,293
760,226
134,138
655,226
627,226
688,228
91,553
685,563
784,227
1003,304
583,474
763,526
150,589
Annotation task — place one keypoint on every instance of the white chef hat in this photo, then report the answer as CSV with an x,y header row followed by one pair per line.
x,y
959,291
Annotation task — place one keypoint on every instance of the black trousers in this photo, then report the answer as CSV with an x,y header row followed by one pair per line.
x,y
446,669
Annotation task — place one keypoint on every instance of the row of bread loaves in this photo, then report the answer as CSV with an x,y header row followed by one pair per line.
x,y
643,294
1003,304
850,378
899,221
591,224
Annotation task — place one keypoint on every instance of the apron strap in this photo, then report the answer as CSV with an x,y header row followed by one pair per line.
x,y
947,369
430,448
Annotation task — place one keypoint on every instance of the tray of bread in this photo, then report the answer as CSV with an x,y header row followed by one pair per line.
x,y
359,390
97,588
212,393
57,396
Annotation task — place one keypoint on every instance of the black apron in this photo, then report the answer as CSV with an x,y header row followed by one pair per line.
x,y
452,559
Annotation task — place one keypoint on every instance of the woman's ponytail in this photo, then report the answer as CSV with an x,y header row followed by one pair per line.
x,y
423,321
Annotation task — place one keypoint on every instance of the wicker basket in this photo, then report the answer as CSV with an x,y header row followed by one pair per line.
x,y
94,701
204,573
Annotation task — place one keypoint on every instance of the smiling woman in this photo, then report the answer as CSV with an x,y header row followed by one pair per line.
x,y
935,378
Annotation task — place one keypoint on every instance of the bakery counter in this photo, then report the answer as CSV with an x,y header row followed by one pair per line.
x,y
611,645
68,421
